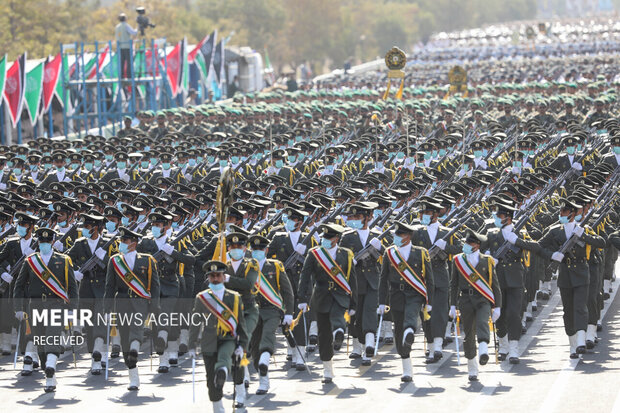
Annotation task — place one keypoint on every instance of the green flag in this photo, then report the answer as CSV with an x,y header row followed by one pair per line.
x,y
63,73
34,88
2,75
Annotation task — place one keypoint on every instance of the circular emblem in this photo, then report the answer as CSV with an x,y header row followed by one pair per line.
x,y
235,239
214,268
226,314
11,86
49,75
395,59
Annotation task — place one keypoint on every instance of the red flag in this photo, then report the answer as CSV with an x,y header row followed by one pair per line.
x,y
173,62
15,88
191,56
50,80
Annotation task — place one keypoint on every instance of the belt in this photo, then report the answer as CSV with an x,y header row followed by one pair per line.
x,y
569,261
331,285
400,286
467,291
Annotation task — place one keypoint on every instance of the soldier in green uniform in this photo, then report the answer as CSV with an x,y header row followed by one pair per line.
x,y
92,288
328,282
407,285
131,287
475,290
573,273
274,298
224,333
128,130
45,283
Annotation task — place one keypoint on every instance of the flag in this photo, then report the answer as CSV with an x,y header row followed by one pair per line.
x,y
184,80
50,80
34,89
90,69
2,76
269,68
174,69
203,54
15,87
218,62
59,86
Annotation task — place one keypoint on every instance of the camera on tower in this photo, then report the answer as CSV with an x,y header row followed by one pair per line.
x,y
143,20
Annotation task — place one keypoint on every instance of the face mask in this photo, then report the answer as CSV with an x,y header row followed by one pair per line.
x,y
234,159
394,204
442,152
62,224
400,156
45,247
478,154
398,241
292,158
563,219
570,150
88,166
498,222
175,225
211,159
216,287
192,162
236,254
379,165
428,156
426,219
22,231
203,213
466,167
272,192
123,248
223,163
124,221
245,222
121,165
467,249
485,152
34,168
47,166
110,226
434,154
141,218
165,166
290,224
74,166
578,147
329,168
326,243
144,164
355,223
153,161
109,158
17,171
60,168
279,163
66,194
86,233
578,218
258,255
376,213
156,231
617,150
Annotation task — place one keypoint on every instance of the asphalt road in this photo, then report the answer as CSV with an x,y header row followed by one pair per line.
x,y
546,380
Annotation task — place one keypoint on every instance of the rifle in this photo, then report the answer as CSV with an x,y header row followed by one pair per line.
x,y
369,249
269,223
93,261
435,251
159,255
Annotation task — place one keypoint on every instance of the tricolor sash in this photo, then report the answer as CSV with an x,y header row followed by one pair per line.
x,y
331,267
129,278
267,291
47,277
227,321
404,270
474,278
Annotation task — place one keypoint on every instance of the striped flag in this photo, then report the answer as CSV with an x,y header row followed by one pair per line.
x,y
15,86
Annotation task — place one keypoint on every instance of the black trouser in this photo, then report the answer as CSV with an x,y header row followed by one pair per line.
x,y
594,290
574,301
126,64
509,320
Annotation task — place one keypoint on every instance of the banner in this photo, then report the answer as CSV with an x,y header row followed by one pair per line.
x,y
218,62
202,55
2,76
14,88
174,69
50,80
34,89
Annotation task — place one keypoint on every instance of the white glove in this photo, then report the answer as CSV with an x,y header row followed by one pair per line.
x,y
6,277
300,249
192,353
381,309
511,237
578,231
59,246
428,308
303,307
100,253
19,315
2,186
78,276
288,320
515,170
441,244
28,251
376,244
557,256
167,248
495,314
452,312
239,352
351,313
577,166
226,278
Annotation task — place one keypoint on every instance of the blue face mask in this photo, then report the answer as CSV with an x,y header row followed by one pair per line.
x,y
141,218
578,218
156,231
400,155
86,233
498,222
485,152
245,222
434,154
88,166
74,166
203,213
578,147
175,225
258,255
153,161
394,203
234,159
478,154
109,158
97,163
563,219
517,164
426,219
60,168
467,249
124,221
570,150
442,152
223,163
279,163
290,224
329,168
272,192
121,165
216,287
398,240
17,171
466,167
47,166
22,231
45,247
192,162
62,224
292,158
165,166
355,223
617,150
236,254
211,159
144,164
110,226
326,243
428,155
123,248
379,164
376,213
